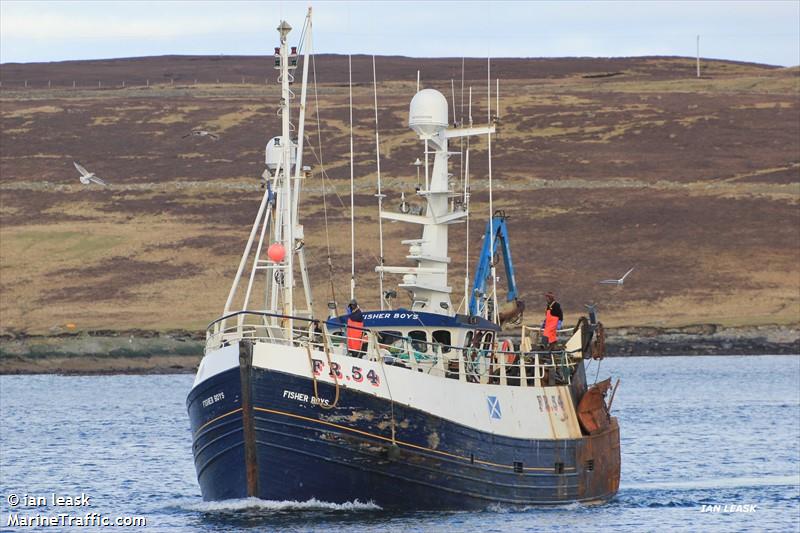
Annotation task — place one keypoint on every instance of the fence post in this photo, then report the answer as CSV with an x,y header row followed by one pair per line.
x,y
26,83
148,83
73,84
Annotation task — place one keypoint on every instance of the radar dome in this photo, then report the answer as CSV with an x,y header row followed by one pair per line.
x,y
274,153
427,113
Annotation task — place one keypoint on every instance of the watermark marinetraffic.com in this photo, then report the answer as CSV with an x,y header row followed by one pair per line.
x,y
56,510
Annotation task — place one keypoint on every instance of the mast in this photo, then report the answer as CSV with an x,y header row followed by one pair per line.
x,y
427,281
286,168
283,176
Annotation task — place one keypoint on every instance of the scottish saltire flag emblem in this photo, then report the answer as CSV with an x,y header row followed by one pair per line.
x,y
494,407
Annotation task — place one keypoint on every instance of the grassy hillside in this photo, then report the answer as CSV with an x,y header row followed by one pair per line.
x,y
601,164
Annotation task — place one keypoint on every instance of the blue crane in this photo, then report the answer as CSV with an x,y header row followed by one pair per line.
x,y
497,227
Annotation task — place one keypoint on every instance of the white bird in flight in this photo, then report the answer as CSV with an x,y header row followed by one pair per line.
x,y
201,133
619,281
88,177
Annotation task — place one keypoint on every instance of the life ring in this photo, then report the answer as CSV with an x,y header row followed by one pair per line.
x,y
506,348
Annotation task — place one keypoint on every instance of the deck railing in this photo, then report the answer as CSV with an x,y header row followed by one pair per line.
x,y
484,363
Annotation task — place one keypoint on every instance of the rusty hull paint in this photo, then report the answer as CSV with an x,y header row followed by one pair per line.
x,y
603,448
592,411
248,425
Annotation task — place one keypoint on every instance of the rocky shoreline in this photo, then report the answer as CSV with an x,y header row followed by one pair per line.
x,y
179,351
703,339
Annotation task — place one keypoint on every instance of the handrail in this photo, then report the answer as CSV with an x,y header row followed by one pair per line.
x,y
258,313
429,344
481,363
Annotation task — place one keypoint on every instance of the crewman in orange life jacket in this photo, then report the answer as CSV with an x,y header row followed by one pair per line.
x,y
553,317
355,331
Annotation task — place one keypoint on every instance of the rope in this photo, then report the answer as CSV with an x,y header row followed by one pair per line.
x,y
598,371
323,174
330,184
314,376
302,37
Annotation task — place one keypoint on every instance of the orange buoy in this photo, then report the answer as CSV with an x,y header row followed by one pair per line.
x,y
276,252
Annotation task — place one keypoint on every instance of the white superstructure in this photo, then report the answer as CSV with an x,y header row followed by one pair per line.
x,y
427,281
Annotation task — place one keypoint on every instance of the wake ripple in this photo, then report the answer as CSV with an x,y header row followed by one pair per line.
x,y
715,483
248,504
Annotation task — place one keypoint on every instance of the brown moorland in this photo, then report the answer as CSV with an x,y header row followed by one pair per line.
x,y
601,164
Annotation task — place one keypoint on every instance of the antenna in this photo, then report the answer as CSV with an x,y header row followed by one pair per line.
x,y
497,100
462,91
491,205
698,56
380,194
352,204
461,124
466,207
470,108
453,92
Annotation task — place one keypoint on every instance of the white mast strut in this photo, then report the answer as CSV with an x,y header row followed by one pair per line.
x,y
466,206
246,254
298,169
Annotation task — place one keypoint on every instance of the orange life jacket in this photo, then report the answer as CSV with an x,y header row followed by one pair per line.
x,y
550,326
355,336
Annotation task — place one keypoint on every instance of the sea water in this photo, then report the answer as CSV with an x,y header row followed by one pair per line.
x,y
708,444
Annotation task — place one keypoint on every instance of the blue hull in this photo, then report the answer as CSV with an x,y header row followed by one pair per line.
x,y
303,451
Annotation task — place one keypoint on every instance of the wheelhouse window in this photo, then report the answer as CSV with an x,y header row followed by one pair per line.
x,y
390,338
419,340
487,340
443,337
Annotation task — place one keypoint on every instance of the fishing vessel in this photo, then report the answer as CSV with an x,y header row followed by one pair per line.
x,y
412,407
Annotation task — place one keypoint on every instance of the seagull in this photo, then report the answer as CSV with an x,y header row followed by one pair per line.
x,y
201,133
619,281
88,177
